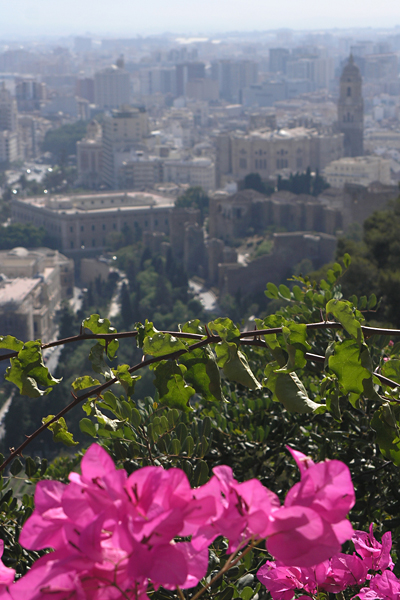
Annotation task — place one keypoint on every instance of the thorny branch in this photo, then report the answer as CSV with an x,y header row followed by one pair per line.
x,y
202,341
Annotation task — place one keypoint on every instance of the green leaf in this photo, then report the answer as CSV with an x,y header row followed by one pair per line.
x,y
347,364
30,467
235,366
188,446
28,371
346,260
160,344
98,325
247,593
371,302
9,342
284,292
272,291
127,380
225,328
385,423
136,418
87,426
193,326
296,345
200,475
297,293
289,390
16,467
271,339
175,447
391,369
99,365
60,431
343,313
203,373
171,386
82,383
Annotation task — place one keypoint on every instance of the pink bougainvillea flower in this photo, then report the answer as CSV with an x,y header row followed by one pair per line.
x,y
6,576
381,587
312,525
281,581
302,461
244,509
376,556
44,528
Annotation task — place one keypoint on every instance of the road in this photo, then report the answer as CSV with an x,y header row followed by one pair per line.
x,y
3,412
206,297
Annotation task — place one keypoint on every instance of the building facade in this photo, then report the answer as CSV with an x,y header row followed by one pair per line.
x,y
123,131
80,224
111,87
361,170
270,152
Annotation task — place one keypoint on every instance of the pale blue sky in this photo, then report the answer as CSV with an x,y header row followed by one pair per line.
x,y
131,17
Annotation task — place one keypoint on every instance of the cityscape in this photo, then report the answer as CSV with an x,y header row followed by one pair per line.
x,y
103,135
199,300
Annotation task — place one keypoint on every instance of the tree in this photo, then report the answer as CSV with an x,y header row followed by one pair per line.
x,y
194,197
253,181
303,183
62,141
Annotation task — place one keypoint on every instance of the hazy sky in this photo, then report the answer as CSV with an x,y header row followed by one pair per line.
x,y
131,17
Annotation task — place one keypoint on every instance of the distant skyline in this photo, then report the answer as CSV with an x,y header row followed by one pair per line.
x,y
25,18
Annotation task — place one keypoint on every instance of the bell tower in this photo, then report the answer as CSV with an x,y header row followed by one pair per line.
x,y
351,109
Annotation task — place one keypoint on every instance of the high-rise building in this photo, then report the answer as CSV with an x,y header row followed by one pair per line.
x,y
123,131
233,77
188,72
351,109
112,87
8,110
278,58
29,93
9,143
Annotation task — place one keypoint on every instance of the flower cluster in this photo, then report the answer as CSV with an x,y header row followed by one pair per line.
x,y
115,535
356,571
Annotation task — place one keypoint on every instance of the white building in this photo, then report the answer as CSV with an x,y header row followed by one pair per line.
x,y
123,131
32,284
195,172
361,170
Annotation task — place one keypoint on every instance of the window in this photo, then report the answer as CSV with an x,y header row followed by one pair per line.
x,y
82,228
114,226
93,243
72,244
146,223
348,92
93,227
243,163
104,226
156,222
71,229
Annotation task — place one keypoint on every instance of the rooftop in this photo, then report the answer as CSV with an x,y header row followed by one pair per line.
x,y
110,201
16,290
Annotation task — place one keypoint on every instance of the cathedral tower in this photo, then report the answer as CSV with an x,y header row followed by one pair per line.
x,y
351,110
